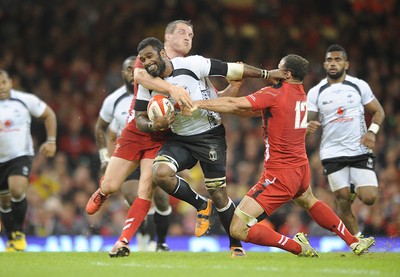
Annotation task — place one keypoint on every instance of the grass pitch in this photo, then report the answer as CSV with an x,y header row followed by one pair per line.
x,y
189,264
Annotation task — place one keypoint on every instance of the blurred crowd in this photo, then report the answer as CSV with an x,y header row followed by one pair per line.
x,y
69,53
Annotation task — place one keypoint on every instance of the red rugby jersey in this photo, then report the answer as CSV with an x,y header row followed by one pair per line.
x,y
284,123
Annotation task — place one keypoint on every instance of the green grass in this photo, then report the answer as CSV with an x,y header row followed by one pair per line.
x,y
188,264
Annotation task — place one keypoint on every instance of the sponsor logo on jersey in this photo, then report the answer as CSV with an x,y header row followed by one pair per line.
x,y
340,111
343,120
8,123
268,182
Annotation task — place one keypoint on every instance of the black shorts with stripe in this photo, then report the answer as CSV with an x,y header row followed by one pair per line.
x,y
208,148
20,166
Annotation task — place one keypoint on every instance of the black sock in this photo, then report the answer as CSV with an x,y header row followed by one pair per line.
x,y
162,226
148,227
19,210
184,192
8,225
226,219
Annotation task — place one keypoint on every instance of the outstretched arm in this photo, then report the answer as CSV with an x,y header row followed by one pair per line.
x,y
237,71
232,105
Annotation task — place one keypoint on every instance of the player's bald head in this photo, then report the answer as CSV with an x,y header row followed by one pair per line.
x,y
128,61
4,73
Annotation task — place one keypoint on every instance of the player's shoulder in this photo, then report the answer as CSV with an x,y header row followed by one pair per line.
x,y
355,80
22,95
273,90
188,60
17,93
316,88
116,94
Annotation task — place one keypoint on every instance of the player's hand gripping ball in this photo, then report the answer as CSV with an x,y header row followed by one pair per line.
x,y
159,105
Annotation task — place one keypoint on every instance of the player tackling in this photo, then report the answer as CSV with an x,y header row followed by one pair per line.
x,y
286,174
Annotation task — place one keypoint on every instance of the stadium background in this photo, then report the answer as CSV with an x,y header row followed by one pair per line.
x,y
69,53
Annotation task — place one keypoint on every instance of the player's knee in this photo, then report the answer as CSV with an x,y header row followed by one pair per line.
x,y
164,167
161,174
241,223
368,199
5,200
17,191
164,177
108,186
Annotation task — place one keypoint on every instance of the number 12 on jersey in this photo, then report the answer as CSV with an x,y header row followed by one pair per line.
x,y
301,115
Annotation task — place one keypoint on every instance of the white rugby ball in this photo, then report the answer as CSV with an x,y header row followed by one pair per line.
x,y
159,105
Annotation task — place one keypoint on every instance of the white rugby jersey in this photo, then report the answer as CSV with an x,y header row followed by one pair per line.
x,y
15,117
341,113
115,109
190,72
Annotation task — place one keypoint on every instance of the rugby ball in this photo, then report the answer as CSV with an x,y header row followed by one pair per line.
x,y
159,105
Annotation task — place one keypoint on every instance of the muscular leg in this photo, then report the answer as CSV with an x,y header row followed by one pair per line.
x,y
225,208
165,177
324,216
116,173
6,214
367,194
141,205
129,190
343,199
244,227
19,205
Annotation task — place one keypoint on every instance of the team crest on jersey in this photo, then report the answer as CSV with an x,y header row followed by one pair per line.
x,y
350,98
213,156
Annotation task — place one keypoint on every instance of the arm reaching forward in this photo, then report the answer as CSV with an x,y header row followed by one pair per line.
x,y
231,105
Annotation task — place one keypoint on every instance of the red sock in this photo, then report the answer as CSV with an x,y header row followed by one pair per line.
x,y
136,214
326,218
261,234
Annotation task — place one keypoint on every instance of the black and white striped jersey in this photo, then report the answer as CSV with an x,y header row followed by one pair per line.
x,y
190,73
